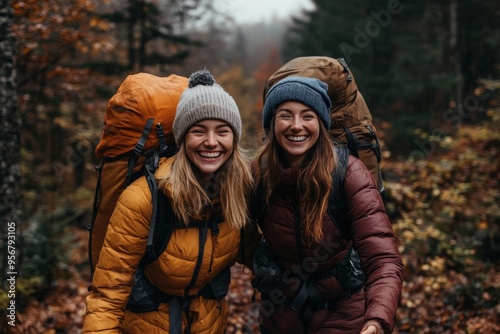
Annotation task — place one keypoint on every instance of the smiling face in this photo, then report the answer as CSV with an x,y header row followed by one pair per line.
x,y
209,144
296,129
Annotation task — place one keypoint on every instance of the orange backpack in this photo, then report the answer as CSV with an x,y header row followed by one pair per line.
x,y
128,147
351,119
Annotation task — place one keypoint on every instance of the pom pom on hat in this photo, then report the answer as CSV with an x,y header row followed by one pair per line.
x,y
312,92
204,99
203,77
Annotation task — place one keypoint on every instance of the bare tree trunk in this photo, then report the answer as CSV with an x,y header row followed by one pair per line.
x,y
143,39
131,22
455,55
10,189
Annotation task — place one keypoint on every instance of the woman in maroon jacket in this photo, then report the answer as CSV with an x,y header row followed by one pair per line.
x,y
318,283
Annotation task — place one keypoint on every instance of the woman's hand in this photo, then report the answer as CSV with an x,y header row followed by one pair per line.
x,y
372,327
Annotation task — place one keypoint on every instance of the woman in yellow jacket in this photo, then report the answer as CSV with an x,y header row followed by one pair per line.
x,y
208,179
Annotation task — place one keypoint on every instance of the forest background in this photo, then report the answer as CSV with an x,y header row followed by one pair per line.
x,y
427,69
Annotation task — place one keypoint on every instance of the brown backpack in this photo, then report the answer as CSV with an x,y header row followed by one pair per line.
x,y
129,147
351,119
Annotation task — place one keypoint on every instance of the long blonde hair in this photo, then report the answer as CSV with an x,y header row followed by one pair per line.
x,y
233,182
314,183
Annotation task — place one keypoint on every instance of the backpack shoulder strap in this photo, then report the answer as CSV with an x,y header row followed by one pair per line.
x,y
161,230
163,219
136,152
337,204
346,68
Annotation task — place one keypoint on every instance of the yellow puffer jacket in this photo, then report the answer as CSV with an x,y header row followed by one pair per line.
x,y
124,247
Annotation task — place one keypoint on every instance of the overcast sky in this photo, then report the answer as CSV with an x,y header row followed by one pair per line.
x,y
255,11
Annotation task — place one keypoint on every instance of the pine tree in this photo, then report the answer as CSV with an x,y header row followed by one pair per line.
x,y
418,56
357,31
152,32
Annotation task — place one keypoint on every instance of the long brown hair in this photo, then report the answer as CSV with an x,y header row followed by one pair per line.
x,y
314,183
233,182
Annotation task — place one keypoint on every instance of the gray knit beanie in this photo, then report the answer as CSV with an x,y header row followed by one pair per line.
x,y
204,99
312,92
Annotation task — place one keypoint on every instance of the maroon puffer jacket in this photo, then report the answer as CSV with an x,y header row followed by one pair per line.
x,y
373,238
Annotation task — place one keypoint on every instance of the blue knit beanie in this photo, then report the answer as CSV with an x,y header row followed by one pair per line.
x,y
311,92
